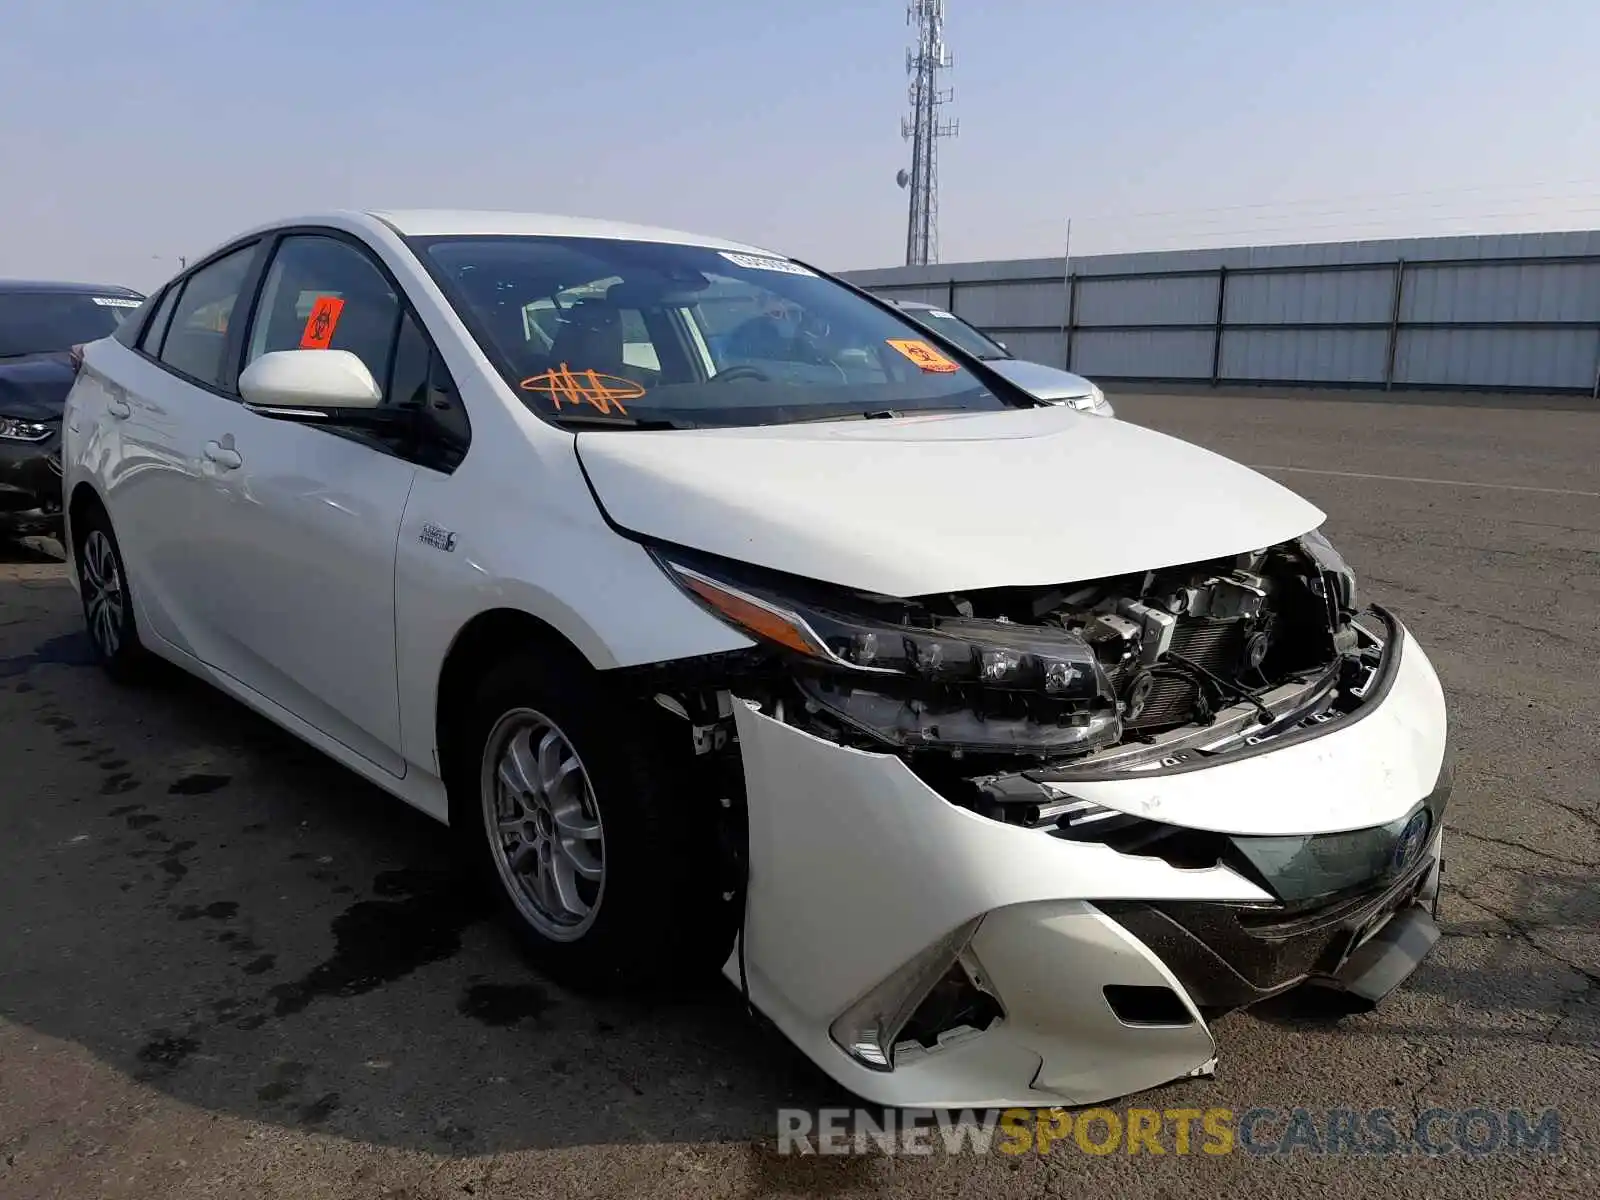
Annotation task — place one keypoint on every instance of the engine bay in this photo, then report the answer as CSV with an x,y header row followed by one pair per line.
x,y
1054,673
1179,645
1001,678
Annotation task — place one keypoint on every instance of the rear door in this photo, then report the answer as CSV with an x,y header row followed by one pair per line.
x,y
168,392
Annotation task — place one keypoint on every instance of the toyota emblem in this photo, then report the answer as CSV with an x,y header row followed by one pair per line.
x,y
1408,846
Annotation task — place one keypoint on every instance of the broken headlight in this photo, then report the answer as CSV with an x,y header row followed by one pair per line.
x,y
909,677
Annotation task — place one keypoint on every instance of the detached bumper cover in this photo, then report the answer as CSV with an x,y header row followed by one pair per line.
x,y
857,866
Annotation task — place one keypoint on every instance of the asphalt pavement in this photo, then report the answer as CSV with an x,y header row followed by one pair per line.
x,y
230,968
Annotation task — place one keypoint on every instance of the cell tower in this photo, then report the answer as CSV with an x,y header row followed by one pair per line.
x,y
923,129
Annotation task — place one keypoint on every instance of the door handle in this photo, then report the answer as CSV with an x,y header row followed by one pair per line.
x,y
225,457
119,408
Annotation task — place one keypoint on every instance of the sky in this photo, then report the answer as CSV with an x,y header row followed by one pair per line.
x,y
137,131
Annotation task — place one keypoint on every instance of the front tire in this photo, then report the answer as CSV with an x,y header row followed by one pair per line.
x,y
107,601
575,807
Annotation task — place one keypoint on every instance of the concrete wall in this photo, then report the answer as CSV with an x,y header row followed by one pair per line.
x,y
1503,312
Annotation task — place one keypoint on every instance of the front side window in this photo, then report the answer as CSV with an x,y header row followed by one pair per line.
x,y
322,293
39,322
587,329
197,335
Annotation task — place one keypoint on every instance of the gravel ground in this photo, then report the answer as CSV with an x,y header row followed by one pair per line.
x,y
229,968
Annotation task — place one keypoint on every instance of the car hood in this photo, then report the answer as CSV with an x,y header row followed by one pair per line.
x,y
940,502
35,388
1040,381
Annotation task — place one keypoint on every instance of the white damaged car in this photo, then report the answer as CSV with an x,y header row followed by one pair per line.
x,y
731,624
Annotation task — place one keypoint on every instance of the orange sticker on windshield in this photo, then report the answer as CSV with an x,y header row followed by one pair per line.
x,y
924,355
324,319
602,392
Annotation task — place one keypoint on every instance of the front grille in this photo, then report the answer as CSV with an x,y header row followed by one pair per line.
x,y
1229,954
1218,646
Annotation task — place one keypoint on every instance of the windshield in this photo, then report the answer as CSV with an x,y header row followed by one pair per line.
x,y
952,328
651,334
54,322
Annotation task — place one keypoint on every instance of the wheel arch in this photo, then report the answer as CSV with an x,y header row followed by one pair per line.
x,y
85,499
488,637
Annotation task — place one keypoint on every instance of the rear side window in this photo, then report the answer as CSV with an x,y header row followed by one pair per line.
x,y
127,330
198,335
150,343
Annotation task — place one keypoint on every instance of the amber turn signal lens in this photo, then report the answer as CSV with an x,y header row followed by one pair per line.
x,y
756,617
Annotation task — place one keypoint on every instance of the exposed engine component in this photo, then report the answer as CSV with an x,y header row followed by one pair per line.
x,y
1179,644
1047,674
1136,696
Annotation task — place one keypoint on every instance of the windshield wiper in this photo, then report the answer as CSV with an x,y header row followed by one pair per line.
x,y
582,421
875,414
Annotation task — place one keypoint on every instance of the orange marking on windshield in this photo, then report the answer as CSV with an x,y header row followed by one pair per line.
x,y
602,392
924,355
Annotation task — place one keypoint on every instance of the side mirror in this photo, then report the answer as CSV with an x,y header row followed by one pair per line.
x,y
290,382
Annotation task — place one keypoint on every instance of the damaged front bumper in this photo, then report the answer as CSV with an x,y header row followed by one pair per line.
x,y
870,894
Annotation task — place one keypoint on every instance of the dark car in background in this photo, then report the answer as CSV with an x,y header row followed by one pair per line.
x,y
41,325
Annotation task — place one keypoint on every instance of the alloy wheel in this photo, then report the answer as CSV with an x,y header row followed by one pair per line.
x,y
103,595
543,824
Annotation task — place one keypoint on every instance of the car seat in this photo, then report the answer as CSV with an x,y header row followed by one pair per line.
x,y
590,339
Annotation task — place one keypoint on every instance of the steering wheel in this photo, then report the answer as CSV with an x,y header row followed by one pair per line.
x,y
740,371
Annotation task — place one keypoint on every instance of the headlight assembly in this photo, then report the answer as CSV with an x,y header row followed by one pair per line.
x,y
15,429
1340,579
909,677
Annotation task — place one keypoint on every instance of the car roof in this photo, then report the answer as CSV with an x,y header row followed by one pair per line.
x,y
466,222
452,222
57,287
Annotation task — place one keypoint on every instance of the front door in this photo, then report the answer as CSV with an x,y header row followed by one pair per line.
x,y
304,581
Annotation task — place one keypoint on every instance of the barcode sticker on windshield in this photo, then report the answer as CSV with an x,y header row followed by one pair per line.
x,y
756,262
941,314
115,302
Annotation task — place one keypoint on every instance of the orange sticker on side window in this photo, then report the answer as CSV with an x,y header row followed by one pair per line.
x,y
601,392
324,319
924,355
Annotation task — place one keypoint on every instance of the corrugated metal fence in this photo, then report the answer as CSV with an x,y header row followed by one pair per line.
x,y
1506,312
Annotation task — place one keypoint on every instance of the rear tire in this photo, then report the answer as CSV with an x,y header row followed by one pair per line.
x,y
574,808
107,600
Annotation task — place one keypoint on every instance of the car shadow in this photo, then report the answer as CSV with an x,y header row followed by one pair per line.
x,y
1486,963
224,914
